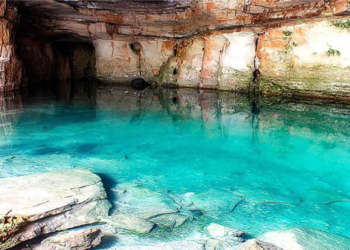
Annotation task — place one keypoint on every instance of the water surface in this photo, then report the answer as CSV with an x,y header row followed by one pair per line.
x,y
288,160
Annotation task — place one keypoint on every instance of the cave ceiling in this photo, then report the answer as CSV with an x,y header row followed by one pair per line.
x,y
81,20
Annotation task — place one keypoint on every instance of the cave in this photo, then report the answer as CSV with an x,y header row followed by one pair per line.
x,y
52,44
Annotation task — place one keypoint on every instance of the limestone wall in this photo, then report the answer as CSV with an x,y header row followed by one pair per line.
x,y
216,61
307,58
300,58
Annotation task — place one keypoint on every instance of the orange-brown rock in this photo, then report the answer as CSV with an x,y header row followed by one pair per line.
x,y
10,65
306,58
96,19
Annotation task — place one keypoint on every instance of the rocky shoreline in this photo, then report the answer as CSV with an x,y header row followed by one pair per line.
x,y
70,210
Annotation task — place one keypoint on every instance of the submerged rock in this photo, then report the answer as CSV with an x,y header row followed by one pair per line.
x,y
170,220
171,245
51,202
77,240
221,232
223,238
129,223
255,244
143,202
306,239
216,201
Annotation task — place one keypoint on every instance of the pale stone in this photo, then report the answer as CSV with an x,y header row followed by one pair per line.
x,y
78,215
309,58
171,245
143,202
78,240
240,51
306,239
41,195
129,223
170,220
219,232
255,244
51,202
216,201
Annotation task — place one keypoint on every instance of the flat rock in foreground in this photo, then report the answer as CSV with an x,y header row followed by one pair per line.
x,y
41,195
49,203
77,240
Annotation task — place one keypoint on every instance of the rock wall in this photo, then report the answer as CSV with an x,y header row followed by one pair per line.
x,y
310,59
277,47
215,61
300,58
10,65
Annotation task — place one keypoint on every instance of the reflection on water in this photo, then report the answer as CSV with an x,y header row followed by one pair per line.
x,y
288,161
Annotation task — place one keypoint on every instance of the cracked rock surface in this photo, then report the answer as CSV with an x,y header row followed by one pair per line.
x,y
52,202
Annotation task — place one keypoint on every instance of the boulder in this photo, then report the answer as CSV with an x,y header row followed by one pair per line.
x,y
143,203
255,244
170,220
306,239
226,245
78,240
129,223
223,238
50,202
217,231
215,201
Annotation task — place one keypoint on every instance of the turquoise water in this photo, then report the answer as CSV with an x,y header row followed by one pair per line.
x,y
289,162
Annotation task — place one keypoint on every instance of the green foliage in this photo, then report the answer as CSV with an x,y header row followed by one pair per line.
x,y
333,52
287,33
343,24
288,48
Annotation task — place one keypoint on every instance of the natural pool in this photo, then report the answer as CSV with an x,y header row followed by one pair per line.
x,y
262,167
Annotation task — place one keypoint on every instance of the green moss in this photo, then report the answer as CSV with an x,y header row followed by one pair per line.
x,y
9,225
342,24
287,33
333,52
288,48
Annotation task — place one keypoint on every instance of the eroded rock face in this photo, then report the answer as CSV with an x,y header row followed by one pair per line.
x,y
200,44
104,20
52,202
220,61
308,58
10,65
